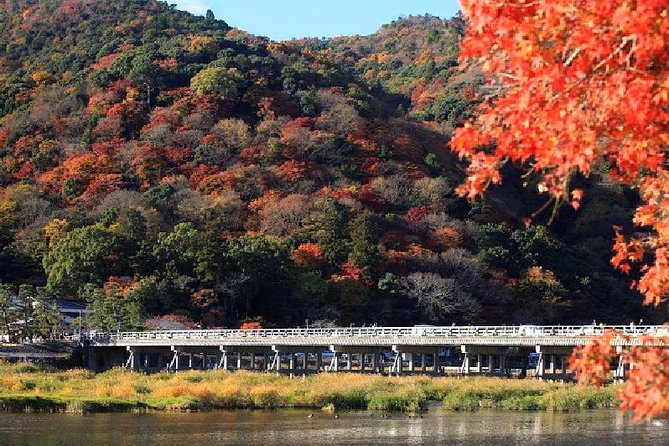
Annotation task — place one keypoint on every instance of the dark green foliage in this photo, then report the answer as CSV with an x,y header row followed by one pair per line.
x,y
111,311
85,255
323,226
364,253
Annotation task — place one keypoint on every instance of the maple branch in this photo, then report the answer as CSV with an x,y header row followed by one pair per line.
x,y
616,51
573,55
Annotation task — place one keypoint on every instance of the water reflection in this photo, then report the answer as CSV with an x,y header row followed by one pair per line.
x,y
296,428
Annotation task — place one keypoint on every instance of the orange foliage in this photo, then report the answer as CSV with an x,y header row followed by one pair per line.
x,y
646,391
445,238
295,170
103,184
598,91
4,134
251,325
308,256
269,196
400,259
218,182
105,62
348,271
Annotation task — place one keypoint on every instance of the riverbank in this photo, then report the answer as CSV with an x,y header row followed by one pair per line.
x,y
40,389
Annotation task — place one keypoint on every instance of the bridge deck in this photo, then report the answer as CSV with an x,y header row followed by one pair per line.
x,y
507,336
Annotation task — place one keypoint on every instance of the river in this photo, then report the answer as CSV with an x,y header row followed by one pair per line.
x,y
297,427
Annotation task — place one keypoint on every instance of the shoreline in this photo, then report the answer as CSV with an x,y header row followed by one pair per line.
x,y
29,388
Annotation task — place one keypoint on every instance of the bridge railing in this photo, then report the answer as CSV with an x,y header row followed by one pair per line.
x,y
509,331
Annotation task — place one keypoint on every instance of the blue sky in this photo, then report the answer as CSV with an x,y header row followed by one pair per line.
x,y
285,19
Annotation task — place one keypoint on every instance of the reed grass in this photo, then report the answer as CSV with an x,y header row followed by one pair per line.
x,y
34,388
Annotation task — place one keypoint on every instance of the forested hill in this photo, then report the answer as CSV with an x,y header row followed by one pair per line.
x,y
156,163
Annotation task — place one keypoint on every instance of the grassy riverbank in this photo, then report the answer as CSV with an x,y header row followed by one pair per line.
x,y
31,388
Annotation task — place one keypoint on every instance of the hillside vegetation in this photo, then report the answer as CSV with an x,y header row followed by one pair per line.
x,y
155,163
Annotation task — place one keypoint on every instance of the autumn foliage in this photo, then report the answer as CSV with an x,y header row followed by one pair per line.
x,y
646,390
575,83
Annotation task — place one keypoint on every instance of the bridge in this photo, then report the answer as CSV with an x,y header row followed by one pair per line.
x,y
465,350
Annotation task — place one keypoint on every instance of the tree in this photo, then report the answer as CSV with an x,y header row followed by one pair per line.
x,y
322,225
47,317
226,82
7,309
85,255
364,246
178,253
110,309
575,83
439,300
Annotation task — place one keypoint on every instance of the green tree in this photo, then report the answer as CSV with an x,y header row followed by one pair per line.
x,y
111,311
178,253
226,82
323,226
47,317
265,261
496,247
85,255
7,309
364,246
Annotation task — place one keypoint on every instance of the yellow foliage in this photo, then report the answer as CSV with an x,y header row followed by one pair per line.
x,y
55,230
203,44
42,78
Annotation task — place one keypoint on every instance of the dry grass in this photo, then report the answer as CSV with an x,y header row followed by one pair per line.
x,y
80,390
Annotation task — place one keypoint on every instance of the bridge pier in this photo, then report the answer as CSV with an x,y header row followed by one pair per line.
x,y
490,353
547,362
104,358
147,358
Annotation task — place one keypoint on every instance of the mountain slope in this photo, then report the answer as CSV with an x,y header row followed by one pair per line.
x,y
170,164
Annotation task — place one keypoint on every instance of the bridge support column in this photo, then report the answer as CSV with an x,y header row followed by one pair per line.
x,y
540,369
398,364
492,356
335,362
174,363
546,364
305,361
436,365
276,362
132,361
319,362
224,360
619,374
466,363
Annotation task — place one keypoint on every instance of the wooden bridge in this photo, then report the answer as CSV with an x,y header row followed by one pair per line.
x,y
393,350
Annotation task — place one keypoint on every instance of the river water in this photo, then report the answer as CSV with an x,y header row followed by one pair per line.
x,y
297,427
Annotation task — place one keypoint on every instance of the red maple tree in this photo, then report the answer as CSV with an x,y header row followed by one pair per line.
x,y
573,83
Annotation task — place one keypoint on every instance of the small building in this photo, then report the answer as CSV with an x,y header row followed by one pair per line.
x,y
73,314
